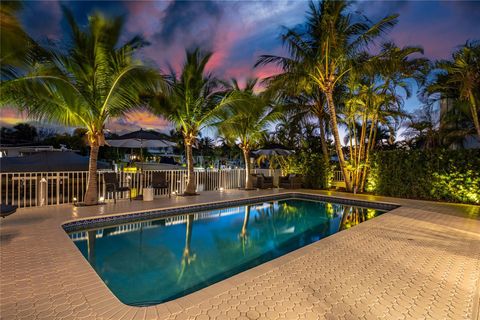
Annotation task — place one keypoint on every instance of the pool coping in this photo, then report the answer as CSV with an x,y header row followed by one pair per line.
x,y
66,278
217,288
133,216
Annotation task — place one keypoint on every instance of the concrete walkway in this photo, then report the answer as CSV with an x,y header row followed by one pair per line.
x,y
420,261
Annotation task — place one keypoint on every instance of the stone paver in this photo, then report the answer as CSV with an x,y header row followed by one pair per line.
x,y
420,261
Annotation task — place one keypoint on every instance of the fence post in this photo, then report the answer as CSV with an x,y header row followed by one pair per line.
x,y
58,188
42,183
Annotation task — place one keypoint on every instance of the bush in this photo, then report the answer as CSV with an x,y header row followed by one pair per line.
x,y
451,175
316,173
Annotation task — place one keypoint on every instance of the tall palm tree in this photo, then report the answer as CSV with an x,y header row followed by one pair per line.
x,y
460,78
193,100
94,79
246,123
332,38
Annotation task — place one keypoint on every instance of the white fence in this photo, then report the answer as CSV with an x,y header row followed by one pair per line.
x,y
338,176
28,189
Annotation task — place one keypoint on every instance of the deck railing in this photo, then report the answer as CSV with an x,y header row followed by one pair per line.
x,y
338,176
28,189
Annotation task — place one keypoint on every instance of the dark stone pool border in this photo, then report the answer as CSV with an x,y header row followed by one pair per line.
x,y
78,225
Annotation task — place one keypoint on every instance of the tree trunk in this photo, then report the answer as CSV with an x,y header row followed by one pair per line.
x,y
367,152
91,196
473,108
336,136
323,140
191,183
361,152
248,178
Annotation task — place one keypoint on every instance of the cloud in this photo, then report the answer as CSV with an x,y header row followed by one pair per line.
x,y
139,120
191,22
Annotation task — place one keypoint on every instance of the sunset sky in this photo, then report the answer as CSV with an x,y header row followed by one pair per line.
x,y
239,31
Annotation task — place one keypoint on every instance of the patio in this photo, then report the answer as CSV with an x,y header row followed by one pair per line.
x,y
421,260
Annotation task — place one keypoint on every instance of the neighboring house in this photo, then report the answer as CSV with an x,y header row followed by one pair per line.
x,y
446,107
9,151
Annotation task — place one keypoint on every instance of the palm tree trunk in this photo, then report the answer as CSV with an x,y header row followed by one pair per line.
x,y
336,136
361,153
323,140
473,108
248,178
91,196
353,157
191,183
367,153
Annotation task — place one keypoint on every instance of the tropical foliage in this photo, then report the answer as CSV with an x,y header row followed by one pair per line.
x,y
459,79
92,80
192,101
246,122
340,76
328,63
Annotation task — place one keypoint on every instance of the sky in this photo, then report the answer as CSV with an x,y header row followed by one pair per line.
x,y
239,31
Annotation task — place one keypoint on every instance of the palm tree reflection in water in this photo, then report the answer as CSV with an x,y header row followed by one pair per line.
x,y
352,216
188,256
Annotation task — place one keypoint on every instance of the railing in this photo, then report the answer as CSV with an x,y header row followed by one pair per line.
x,y
29,189
338,176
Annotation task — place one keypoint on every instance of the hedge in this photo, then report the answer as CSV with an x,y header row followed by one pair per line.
x,y
449,175
316,173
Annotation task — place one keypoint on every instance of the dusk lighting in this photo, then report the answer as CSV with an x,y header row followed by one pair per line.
x,y
208,159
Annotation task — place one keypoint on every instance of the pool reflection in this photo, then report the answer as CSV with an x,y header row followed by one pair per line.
x,y
152,261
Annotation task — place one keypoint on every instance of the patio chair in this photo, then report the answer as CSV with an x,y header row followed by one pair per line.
x,y
264,182
112,185
7,209
160,181
291,181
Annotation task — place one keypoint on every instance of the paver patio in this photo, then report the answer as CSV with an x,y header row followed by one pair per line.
x,y
420,261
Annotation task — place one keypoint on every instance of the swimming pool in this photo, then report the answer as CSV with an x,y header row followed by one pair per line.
x,y
152,261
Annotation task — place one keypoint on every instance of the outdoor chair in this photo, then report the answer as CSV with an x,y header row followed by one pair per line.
x,y
160,181
7,209
112,185
291,181
264,182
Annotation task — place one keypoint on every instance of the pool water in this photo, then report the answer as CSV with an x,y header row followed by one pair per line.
x,y
150,262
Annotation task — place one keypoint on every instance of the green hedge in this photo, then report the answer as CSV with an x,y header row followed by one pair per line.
x,y
450,175
316,173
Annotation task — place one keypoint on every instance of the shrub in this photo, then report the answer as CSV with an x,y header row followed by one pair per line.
x,y
316,173
451,175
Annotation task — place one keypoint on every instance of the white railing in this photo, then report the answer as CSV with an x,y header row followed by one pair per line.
x,y
29,189
338,176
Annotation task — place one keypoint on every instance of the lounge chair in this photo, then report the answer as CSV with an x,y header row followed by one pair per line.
x,y
112,185
264,182
7,209
291,181
160,181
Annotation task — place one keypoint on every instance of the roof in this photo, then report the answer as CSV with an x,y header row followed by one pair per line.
x,y
49,162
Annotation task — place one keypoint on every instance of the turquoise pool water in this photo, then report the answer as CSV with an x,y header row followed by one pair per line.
x,y
149,262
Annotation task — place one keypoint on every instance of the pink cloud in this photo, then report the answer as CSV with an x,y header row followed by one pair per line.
x,y
10,117
139,119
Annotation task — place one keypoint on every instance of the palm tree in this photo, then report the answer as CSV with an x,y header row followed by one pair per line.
x,y
17,49
94,79
246,122
460,78
193,100
323,51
